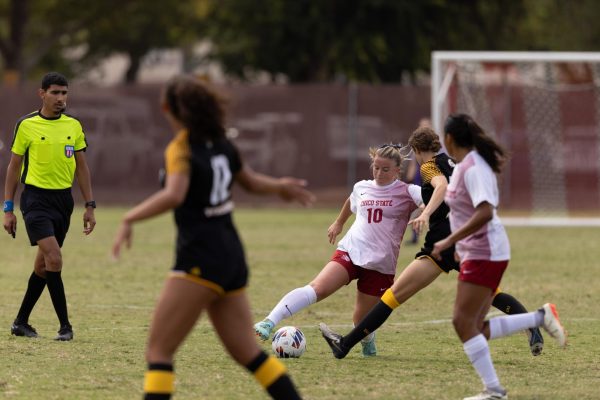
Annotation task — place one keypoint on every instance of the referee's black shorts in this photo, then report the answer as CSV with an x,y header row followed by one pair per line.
x,y
46,212
436,233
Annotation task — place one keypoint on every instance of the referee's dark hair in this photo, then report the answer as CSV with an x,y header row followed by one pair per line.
x,y
53,78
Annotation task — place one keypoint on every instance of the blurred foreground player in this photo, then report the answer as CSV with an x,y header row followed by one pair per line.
x,y
210,272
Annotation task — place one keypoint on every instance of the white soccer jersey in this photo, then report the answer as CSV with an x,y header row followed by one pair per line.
x,y
382,214
472,183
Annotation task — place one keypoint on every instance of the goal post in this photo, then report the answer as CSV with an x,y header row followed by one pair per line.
x,y
544,108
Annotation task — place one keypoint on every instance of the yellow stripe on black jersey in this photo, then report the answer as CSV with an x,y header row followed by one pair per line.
x,y
429,170
177,154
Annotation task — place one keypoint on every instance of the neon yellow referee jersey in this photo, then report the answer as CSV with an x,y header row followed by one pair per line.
x,y
48,147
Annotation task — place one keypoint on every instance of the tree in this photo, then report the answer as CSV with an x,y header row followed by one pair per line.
x,y
137,27
365,40
39,27
372,40
11,42
39,33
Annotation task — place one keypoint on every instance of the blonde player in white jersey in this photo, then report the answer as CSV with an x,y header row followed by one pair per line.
x,y
369,250
483,248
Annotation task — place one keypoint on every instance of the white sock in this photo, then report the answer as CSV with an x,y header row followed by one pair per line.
x,y
478,351
509,324
291,303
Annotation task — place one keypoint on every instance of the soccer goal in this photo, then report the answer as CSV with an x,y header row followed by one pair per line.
x,y
544,107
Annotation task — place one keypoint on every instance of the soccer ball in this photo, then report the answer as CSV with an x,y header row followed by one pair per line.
x,y
288,342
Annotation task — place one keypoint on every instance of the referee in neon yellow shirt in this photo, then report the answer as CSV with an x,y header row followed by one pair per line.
x,y
47,152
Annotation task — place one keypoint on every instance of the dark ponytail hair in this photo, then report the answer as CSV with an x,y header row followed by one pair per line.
x,y
467,133
198,108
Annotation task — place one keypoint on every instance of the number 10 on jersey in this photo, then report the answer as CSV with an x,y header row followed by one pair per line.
x,y
374,215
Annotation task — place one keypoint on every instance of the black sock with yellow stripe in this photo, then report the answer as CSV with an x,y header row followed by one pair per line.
x,y
272,375
373,320
159,382
508,304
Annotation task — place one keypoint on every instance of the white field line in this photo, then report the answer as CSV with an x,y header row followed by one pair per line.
x,y
205,322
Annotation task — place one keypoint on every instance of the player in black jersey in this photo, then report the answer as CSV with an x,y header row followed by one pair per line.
x,y
424,269
210,272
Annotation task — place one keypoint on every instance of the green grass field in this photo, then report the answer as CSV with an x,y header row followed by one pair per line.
x,y
419,357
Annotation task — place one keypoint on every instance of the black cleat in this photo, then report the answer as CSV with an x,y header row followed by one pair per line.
x,y
536,341
20,329
65,333
334,341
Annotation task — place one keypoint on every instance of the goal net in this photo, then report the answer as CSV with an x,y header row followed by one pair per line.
x,y
544,108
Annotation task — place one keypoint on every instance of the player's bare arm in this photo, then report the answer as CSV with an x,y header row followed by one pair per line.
x,y
484,212
440,184
85,185
288,188
171,196
338,225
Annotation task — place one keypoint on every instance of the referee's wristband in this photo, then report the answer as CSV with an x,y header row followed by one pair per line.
x,y
90,203
9,206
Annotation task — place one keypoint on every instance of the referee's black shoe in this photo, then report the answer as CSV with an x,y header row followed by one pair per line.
x,y
23,329
334,341
65,333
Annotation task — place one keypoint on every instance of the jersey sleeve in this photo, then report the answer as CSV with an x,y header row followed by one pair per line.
x,y
354,197
415,193
177,156
20,140
481,186
80,142
430,170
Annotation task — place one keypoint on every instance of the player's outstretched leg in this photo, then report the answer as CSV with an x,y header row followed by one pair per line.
x,y
334,341
263,328
293,302
552,324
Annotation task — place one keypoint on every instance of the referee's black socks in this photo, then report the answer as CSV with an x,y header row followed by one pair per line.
x,y
57,294
272,375
373,320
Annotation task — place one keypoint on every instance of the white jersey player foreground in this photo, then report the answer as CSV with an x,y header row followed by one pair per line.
x,y
484,251
369,250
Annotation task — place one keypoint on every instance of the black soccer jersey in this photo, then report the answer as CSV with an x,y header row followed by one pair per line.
x,y
212,167
439,224
208,246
